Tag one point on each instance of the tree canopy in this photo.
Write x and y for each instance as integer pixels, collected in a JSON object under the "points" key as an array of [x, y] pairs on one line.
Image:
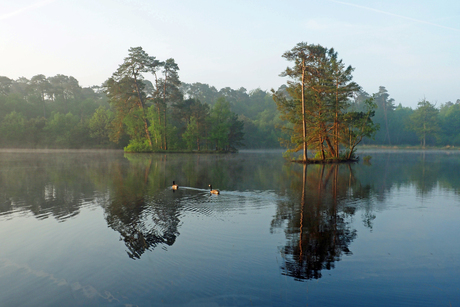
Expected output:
{"points": [[144, 106], [424, 121], [317, 104]]}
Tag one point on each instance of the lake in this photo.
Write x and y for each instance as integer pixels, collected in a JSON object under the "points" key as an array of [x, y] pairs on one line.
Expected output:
{"points": [[104, 228]]}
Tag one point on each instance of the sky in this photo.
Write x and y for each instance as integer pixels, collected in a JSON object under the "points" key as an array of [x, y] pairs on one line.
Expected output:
{"points": [[412, 48]]}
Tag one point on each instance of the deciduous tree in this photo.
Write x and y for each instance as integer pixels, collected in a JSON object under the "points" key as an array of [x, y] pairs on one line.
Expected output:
{"points": [[424, 121]]}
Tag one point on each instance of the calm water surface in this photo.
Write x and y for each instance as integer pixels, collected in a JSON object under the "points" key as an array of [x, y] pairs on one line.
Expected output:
{"points": [[102, 228]]}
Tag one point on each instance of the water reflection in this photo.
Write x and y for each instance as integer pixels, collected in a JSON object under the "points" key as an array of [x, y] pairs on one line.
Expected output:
{"points": [[141, 226], [317, 218], [142, 220], [426, 170], [46, 185], [73, 222], [317, 203]]}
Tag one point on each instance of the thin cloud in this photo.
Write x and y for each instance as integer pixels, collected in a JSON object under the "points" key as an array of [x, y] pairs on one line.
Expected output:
{"points": [[27, 8], [396, 15]]}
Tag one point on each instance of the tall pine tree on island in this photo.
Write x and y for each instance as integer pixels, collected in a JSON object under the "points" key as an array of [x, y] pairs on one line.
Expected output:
{"points": [[317, 106], [125, 90]]}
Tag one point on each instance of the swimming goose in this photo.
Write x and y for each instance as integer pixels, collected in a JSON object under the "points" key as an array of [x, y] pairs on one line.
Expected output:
{"points": [[213, 191], [175, 186]]}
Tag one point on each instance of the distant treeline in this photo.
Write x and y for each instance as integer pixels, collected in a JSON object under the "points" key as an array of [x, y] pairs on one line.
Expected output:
{"points": [[56, 112], [427, 125]]}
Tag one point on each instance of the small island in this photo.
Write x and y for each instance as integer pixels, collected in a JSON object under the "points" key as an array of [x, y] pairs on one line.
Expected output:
{"points": [[317, 107]]}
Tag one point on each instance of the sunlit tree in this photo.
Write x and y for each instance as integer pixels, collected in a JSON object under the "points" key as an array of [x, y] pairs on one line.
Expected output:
{"points": [[316, 100], [125, 88]]}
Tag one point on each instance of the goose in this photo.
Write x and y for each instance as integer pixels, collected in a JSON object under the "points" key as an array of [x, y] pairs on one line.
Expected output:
{"points": [[213, 191], [175, 186]]}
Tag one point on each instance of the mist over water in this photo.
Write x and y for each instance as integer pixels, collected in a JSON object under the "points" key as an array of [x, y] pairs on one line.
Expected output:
{"points": [[104, 228]]}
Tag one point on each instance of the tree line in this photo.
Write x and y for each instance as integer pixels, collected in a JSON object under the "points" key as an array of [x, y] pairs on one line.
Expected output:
{"points": [[320, 110], [429, 124], [48, 112], [129, 111]]}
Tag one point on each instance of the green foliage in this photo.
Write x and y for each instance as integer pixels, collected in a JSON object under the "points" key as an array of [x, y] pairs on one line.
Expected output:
{"points": [[34, 134], [385, 116], [449, 121], [156, 128], [129, 111], [226, 130], [358, 125], [391, 120], [33, 100], [367, 158], [316, 103], [424, 121], [256, 109], [59, 130], [99, 125], [12, 129], [398, 129], [125, 90], [138, 146], [191, 134], [173, 137]]}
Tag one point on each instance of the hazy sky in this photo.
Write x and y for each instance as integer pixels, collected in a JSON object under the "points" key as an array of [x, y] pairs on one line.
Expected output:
{"points": [[410, 47]]}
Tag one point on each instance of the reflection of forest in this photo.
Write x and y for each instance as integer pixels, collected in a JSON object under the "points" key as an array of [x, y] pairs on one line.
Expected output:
{"points": [[134, 192], [143, 220], [316, 218], [322, 200], [425, 170], [45, 184]]}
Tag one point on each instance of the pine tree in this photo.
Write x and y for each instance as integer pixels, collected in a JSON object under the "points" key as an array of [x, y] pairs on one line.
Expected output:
{"points": [[319, 92]]}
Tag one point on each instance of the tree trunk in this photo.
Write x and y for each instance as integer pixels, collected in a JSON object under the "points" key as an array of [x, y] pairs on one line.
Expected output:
{"points": [[386, 122], [144, 117], [302, 205], [331, 148], [164, 102], [304, 124], [336, 121], [424, 135]]}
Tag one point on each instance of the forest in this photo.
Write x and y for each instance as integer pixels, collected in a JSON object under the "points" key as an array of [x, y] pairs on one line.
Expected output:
{"points": [[131, 112]]}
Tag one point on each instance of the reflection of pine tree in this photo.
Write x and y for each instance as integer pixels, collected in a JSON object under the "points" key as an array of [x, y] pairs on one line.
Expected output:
{"points": [[143, 221], [142, 225], [317, 230]]}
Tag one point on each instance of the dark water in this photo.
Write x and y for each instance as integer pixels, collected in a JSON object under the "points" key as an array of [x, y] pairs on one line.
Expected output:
{"points": [[106, 229]]}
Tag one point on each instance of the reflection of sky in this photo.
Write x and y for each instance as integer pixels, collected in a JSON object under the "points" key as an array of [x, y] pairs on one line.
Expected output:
{"points": [[412, 254], [82, 260], [52, 260]]}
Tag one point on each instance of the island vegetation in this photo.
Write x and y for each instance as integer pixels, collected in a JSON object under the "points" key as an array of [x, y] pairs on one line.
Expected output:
{"points": [[144, 107], [317, 108]]}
